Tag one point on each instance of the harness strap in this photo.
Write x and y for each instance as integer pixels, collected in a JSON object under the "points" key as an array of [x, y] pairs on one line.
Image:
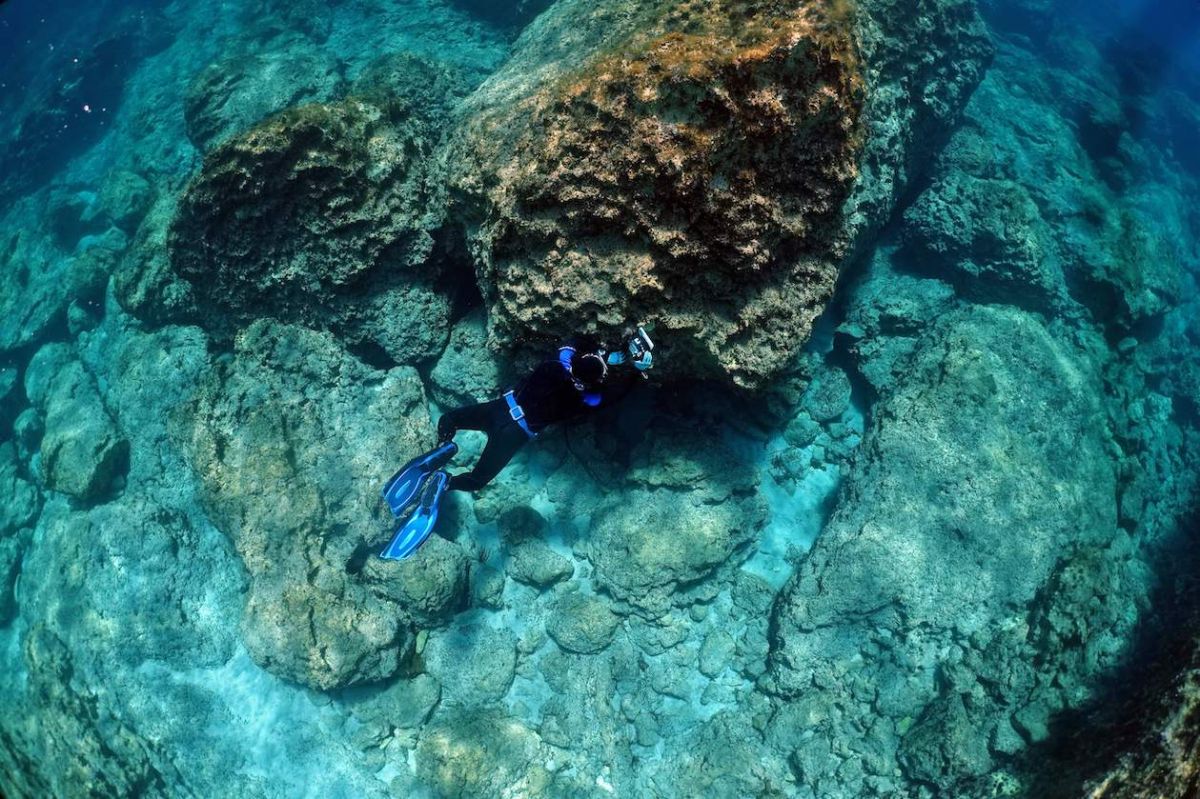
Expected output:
{"points": [[517, 414]]}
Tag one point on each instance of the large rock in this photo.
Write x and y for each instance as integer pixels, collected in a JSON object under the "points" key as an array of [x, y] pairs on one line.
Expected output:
{"points": [[986, 235], [38, 284], [956, 561], [467, 371], [82, 452], [292, 441], [322, 214], [703, 166]]}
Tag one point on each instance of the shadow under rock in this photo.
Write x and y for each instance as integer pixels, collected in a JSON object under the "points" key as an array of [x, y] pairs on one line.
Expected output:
{"points": [[1128, 716]]}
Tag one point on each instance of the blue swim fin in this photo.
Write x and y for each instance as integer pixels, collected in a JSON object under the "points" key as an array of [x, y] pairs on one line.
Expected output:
{"points": [[416, 530], [402, 489]]}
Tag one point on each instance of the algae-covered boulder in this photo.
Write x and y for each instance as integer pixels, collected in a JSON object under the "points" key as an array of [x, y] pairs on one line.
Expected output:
{"points": [[291, 440], [984, 473], [471, 753], [706, 166], [582, 624], [321, 214], [473, 661], [646, 545], [83, 454], [536, 563]]}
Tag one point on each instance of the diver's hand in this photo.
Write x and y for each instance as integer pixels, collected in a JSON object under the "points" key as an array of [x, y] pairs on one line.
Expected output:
{"points": [[643, 361]]}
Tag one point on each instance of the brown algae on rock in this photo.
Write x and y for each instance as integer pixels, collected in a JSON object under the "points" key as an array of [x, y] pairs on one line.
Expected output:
{"points": [[689, 171]]}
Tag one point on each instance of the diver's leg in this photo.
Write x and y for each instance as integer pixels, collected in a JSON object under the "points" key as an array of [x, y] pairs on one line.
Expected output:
{"points": [[503, 443], [480, 416]]}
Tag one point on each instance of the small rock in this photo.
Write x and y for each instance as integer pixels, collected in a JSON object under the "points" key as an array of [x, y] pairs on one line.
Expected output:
{"points": [[715, 653], [582, 624], [125, 197], [828, 396], [801, 431], [521, 523], [474, 662], [406, 704], [27, 433], [1033, 721], [487, 587], [427, 587], [535, 563]]}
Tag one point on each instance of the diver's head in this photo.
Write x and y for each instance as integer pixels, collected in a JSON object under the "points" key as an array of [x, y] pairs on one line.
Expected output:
{"points": [[589, 369]]}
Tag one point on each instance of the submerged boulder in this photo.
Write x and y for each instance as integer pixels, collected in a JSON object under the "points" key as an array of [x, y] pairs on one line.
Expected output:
{"points": [[582, 624], [291, 441], [324, 214], [984, 486], [706, 166], [82, 452]]}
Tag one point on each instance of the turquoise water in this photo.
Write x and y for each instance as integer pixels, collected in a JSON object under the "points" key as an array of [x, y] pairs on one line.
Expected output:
{"points": [[905, 507]]}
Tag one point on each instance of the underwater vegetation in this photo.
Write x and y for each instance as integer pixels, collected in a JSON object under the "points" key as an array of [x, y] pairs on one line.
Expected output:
{"points": [[907, 507]]}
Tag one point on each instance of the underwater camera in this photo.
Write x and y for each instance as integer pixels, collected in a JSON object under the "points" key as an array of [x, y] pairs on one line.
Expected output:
{"points": [[640, 344]]}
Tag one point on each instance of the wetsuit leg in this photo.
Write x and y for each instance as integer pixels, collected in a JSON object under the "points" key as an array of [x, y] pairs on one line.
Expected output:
{"points": [[503, 442], [482, 416]]}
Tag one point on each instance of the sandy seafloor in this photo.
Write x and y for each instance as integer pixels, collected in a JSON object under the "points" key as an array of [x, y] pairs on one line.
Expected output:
{"points": [[923, 562]]}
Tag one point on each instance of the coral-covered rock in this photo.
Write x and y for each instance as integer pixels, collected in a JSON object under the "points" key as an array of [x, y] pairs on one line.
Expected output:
{"points": [[691, 164], [321, 214], [291, 442]]}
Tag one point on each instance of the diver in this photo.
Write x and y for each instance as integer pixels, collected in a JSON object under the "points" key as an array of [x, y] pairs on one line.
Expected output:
{"points": [[585, 376]]}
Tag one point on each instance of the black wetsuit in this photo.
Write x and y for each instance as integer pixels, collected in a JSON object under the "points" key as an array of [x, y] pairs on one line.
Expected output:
{"points": [[549, 395]]}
